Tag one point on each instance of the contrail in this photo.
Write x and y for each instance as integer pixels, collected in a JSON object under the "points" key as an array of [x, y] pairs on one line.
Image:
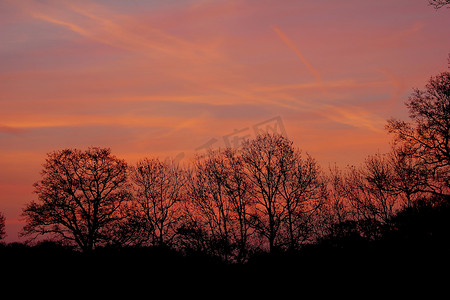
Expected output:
{"points": [[288, 42], [350, 115]]}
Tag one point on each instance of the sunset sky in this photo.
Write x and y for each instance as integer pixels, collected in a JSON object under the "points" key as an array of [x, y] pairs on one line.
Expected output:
{"points": [[164, 78]]}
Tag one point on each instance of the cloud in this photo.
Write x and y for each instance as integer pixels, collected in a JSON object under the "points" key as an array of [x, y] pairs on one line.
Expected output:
{"points": [[98, 24], [291, 45], [354, 116], [398, 37], [397, 83], [12, 130], [177, 62], [68, 25]]}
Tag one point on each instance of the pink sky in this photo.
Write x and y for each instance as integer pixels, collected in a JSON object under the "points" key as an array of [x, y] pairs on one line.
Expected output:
{"points": [[161, 78]]}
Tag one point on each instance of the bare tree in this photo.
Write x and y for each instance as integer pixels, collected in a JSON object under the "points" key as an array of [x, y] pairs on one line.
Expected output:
{"points": [[379, 183], [2, 227], [303, 191], [426, 138], [337, 205], [208, 204], [439, 3], [370, 190], [337, 209], [238, 189], [82, 198], [267, 160], [410, 176], [159, 189], [219, 197]]}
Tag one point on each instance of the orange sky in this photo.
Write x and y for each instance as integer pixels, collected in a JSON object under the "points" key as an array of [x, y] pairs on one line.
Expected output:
{"points": [[162, 78]]}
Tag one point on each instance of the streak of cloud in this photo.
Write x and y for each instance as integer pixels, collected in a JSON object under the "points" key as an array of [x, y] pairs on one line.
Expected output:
{"points": [[302, 58], [12, 130], [396, 82], [96, 23]]}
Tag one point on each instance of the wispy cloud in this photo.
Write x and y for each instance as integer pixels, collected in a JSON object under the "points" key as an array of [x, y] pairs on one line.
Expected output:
{"points": [[398, 86], [290, 44], [12, 130], [355, 116], [98, 24]]}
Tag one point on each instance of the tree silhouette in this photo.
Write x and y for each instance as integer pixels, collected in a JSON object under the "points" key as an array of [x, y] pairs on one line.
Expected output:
{"points": [[208, 203], [268, 159], [379, 179], [303, 191], [219, 201], [439, 3], [426, 138], [82, 198], [268, 188], [369, 191], [337, 209], [409, 176], [365, 201], [424, 224], [238, 189], [159, 187], [2, 227]]}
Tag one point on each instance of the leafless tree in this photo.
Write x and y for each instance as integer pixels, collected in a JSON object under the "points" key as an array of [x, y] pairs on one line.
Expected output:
{"points": [[267, 160], [159, 190], [303, 191], [238, 189], [2, 227], [426, 138], [439, 3], [82, 198], [336, 209], [410, 176], [337, 205], [208, 205], [379, 178], [220, 202], [369, 188]]}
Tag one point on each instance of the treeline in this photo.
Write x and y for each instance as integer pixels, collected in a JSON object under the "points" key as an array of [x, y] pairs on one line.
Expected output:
{"points": [[227, 204], [268, 196]]}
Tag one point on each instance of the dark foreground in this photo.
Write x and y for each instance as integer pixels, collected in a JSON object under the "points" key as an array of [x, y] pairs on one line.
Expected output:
{"points": [[359, 270], [413, 253], [390, 258]]}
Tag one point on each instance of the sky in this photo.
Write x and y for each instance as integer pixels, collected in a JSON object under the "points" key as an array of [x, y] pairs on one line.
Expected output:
{"points": [[170, 78]]}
